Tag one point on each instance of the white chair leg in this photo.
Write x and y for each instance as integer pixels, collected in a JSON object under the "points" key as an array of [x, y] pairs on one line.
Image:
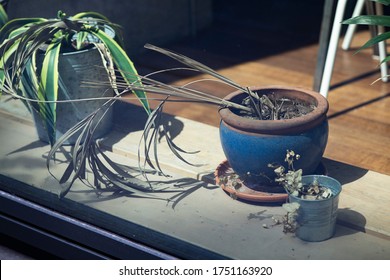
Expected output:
{"points": [[382, 46], [333, 43], [352, 27], [383, 66]]}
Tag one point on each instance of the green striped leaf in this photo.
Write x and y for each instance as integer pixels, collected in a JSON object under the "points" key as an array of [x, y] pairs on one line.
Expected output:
{"points": [[81, 37], [14, 24], [124, 65], [98, 20], [29, 85], [5, 61], [3, 16], [49, 80]]}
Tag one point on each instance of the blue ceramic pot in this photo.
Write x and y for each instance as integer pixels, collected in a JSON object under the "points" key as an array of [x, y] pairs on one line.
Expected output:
{"points": [[251, 145]]}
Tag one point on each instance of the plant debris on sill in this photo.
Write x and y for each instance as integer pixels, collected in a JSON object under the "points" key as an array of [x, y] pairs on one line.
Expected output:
{"points": [[272, 108], [233, 181], [290, 219]]}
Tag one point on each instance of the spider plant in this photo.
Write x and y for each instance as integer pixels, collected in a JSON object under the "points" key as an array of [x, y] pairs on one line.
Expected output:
{"points": [[89, 153], [375, 20], [24, 40]]}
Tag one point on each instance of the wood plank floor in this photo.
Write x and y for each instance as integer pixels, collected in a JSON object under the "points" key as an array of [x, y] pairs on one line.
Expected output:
{"points": [[359, 112]]}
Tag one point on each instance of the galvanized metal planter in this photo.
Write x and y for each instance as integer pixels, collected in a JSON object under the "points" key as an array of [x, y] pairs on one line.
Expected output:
{"points": [[76, 68], [317, 218]]}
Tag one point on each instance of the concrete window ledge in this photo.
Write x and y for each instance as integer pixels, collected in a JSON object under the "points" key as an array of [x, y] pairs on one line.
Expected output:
{"points": [[205, 223]]}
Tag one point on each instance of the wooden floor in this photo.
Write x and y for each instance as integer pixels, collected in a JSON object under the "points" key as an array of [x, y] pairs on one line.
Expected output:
{"points": [[359, 112]]}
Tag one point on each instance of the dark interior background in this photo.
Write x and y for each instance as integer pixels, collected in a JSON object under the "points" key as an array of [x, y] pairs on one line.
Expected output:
{"points": [[243, 29]]}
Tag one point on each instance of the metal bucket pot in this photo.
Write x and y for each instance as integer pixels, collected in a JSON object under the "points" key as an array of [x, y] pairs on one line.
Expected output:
{"points": [[317, 218], [74, 69]]}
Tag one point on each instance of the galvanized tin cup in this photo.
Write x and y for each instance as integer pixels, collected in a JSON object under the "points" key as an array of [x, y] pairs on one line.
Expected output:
{"points": [[317, 218]]}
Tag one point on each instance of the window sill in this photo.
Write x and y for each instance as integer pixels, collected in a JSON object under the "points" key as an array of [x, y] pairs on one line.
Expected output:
{"points": [[205, 224]]}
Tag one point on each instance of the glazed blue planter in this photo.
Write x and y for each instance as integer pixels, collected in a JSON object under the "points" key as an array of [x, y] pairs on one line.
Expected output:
{"points": [[251, 145]]}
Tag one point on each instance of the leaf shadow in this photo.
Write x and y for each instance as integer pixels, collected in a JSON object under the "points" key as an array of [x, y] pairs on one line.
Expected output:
{"points": [[187, 187], [125, 111], [30, 146], [171, 191]]}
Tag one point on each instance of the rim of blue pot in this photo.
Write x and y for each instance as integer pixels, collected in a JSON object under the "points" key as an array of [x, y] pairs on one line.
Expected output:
{"points": [[294, 125]]}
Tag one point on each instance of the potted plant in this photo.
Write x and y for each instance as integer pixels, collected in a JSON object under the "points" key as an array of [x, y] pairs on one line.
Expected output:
{"points": [[293, 118], [258, 124], [313, 201], [272, 118], [45, 61]]}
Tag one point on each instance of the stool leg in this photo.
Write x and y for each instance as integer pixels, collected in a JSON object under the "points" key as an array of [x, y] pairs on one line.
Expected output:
{"points": [[323, 44], [352, 27], [382, 45], [331, 55]]}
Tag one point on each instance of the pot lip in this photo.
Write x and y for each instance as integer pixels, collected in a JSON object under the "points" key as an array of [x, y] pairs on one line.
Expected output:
{"points": [[78, 52], [72, 52], [317, 116], [312, 176]]}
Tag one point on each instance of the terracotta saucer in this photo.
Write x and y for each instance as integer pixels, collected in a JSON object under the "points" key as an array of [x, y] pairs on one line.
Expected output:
{"points": [[244, 192]]}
